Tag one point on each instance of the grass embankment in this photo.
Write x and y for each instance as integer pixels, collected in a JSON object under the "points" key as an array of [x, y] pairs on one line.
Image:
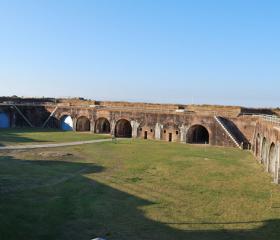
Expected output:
{"points": [[136, 190], [31, 136]]}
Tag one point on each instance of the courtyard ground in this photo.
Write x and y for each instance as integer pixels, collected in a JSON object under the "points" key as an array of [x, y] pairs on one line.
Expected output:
{"points": [[136, 189], [37, 135]]}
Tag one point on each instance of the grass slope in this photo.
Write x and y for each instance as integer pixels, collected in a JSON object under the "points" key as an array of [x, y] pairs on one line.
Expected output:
{"points": [[29, 136], [136, 190]]}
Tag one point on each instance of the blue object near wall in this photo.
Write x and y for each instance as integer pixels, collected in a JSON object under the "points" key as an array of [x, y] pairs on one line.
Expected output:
{"points": [[4, 120], [66, 123]]}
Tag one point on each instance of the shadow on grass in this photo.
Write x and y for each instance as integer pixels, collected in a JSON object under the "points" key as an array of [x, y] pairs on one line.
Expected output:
{"points": [[11, 136], [47, 199], [16, 136]]}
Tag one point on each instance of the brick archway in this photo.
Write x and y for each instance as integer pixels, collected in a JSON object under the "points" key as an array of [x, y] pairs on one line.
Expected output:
{"points": [[123, 128], [198, 134], [102, 125], [83, 124]]}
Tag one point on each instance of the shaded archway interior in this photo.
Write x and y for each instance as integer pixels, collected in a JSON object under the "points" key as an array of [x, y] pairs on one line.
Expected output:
{"points": [[83, 124], [272, 158], [258, 142], [123, 129], [102, 125], [263, 153], [66, 123], [198, 134]]}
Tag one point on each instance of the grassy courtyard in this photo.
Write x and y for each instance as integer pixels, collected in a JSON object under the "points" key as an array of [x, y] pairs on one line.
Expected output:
{"points": [[136, 190], [31, 136]]}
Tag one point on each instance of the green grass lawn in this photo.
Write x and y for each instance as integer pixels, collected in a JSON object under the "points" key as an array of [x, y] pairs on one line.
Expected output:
{"points": [[31, 136], [136, 190]]}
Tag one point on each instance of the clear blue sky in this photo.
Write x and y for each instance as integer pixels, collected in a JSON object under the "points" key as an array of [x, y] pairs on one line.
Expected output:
{"points": [[223, 52]]}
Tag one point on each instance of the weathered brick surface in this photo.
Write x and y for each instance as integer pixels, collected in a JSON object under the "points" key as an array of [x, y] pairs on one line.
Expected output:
{"points": [[146, 115]]}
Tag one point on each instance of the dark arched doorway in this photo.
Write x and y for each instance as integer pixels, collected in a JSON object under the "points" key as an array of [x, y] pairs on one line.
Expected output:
{"points": [[102, 125], [83, 124], [198, 134], [123, 129], [264, 151], [272, 159], [258, 142]]}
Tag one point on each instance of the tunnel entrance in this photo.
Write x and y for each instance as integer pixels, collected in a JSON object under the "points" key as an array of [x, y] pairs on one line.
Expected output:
{"points": [[66, 123], [83, 124], [123, 129], [102, 125], [198, 134]]}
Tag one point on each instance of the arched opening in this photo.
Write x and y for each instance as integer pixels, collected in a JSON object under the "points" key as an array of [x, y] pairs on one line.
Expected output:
{"points": [[102, 125], [4, 120], [198, 134], [83, 124], [272, 159], [258, 142], [264, 151], [66, 123], [123, 129]]}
